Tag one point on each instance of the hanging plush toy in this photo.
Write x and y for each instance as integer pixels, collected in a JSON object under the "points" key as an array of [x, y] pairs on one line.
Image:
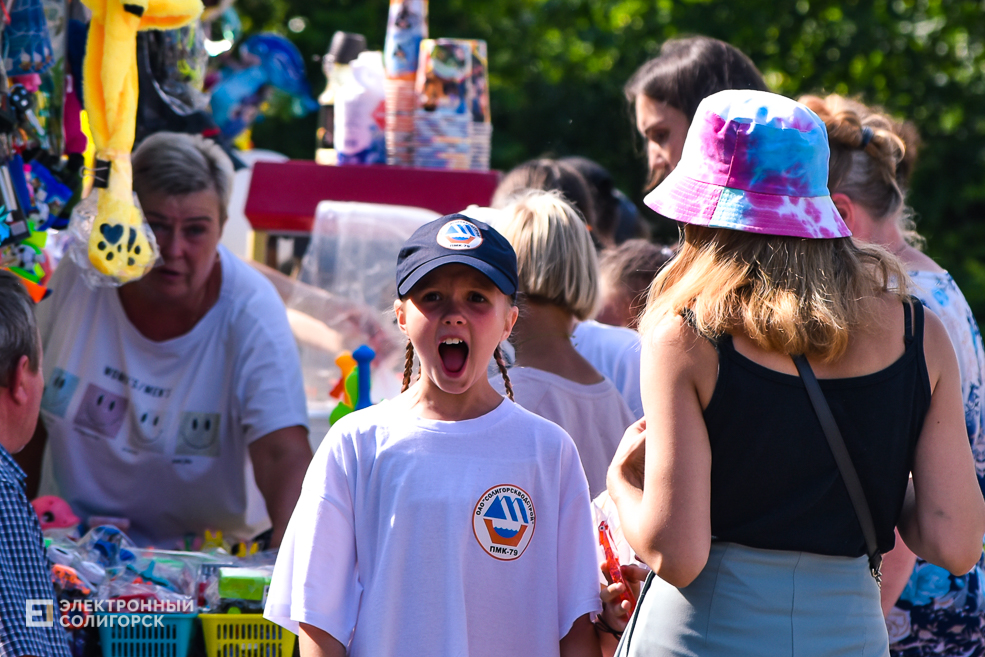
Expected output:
{"points": [[118, 244]]}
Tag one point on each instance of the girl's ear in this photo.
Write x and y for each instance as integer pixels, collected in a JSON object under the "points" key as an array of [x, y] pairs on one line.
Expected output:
{"points": [[511, 316], [846, 209], [398, 310]]}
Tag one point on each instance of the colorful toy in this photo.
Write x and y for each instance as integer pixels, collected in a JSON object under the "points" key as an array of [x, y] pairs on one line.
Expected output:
{"points": [[269, 60], [27, 45], [354, 386], [346, 363], [364, 355], [147, 575], [355, 383], [213, 541], [243, 583], [25, 259], [70, 587], [51, 196], [37, 292], [243, 550], [54, 513], [118, 241], [107, 547], [613, 568], [351, 383]]}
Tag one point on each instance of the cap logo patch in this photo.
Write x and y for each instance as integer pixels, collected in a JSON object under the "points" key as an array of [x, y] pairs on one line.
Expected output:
{"points": [[459, 235]]}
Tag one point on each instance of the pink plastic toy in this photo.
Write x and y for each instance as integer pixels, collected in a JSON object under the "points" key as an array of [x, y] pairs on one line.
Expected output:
{"points": [[54, 513]]}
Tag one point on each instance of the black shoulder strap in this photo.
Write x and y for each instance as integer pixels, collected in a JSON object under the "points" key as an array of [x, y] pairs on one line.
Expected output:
{"points": [[844, 461], [907, 321], [918, 319]]}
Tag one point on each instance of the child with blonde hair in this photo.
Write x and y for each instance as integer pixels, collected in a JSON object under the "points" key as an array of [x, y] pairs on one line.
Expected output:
{"points": [[447, 521], [558, 274]]}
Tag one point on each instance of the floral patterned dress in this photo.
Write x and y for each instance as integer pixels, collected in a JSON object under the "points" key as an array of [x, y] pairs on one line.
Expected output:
{"points": [[939, 613]]}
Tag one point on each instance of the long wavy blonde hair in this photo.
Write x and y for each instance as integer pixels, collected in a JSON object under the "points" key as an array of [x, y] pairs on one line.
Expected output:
{"points": [[788, 294]]}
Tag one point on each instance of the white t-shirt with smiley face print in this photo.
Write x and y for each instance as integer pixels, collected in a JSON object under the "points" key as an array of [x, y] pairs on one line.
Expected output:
{"points": [[158, 432]]}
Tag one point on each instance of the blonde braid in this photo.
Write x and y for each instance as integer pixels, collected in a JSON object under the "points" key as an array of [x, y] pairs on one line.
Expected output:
{"points": [[498, 355], [408, 366]]}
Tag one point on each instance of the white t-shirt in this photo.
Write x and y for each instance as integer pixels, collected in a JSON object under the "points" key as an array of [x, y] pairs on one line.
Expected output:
{"points": [[422, 537], [615, 352], [158, 432], [594, 415]]}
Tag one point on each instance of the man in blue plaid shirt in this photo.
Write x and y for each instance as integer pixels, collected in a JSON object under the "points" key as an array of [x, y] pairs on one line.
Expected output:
{"points": [[28, 611]]}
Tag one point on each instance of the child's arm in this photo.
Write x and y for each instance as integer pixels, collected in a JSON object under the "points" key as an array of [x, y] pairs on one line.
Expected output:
{"points": [[616, 612], [319, 643], [581, 640]]}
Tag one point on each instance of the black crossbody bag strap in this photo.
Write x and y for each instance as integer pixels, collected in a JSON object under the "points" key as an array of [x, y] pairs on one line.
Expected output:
{"points": [[844, 463]]}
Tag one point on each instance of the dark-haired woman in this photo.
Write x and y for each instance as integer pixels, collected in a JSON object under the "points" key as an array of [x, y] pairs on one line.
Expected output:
{"points": [[665, 92]]}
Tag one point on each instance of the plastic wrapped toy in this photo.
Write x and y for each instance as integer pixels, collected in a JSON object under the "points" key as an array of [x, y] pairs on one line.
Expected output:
{"points": [[119, 245], [108, 240], [26, 44], [360, 113], [267, 60]]}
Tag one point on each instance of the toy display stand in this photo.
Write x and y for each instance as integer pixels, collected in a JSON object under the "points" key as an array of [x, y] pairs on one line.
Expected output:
{"points": [[283, 196]]}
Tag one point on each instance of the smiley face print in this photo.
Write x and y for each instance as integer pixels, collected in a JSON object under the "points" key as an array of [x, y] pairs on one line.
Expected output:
{"points": [[58, 393], [101, 411], [147, 429], [198, 434]]}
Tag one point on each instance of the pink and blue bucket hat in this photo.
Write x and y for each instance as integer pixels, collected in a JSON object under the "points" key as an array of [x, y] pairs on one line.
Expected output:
{"points": [[756, 162]]}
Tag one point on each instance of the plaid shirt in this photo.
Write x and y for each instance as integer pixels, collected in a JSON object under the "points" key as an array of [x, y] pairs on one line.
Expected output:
{"points": [[24, 573]]}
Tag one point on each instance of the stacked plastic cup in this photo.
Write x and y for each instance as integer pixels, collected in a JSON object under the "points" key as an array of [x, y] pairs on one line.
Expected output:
{"points": [[407, 27], [443, 120], [480, 136]]}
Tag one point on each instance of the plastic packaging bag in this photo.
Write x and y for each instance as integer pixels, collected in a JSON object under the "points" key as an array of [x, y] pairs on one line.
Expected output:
{"points": [[360, 113], [80, 227]]}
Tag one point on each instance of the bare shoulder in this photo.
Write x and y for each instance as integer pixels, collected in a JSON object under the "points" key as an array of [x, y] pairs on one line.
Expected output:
{"points": [[674, 336], [916, 260], [937, 348], [674, 351]]}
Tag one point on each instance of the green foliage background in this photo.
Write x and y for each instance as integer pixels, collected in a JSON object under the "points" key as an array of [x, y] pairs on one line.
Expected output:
{"points": [[557, 68]]}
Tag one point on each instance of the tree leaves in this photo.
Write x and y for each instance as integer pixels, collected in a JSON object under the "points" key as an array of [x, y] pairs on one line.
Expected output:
{"points": [[557, 68]]}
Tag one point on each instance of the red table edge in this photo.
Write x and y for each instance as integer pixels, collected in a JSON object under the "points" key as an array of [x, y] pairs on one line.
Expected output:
{"points": [[284, 196]]}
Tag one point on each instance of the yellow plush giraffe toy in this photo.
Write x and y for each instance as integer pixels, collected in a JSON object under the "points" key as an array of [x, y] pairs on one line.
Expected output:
{"points": [[117, 244]]}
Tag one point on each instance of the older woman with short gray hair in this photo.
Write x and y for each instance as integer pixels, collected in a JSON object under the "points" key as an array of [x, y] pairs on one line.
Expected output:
{"points": [[175, 402]]}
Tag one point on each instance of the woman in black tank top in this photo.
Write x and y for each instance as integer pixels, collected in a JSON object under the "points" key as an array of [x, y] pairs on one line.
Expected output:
{"points": [[730, 491]]}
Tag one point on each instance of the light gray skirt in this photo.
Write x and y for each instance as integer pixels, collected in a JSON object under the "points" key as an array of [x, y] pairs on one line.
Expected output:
{"points": [[761, 603]]}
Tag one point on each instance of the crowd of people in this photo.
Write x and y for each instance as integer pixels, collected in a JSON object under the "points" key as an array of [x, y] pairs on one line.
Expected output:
{"points": [[784, 409]]}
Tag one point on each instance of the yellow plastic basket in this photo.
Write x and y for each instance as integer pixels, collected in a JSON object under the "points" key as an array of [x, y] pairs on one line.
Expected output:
{"points": [[245, 635]]}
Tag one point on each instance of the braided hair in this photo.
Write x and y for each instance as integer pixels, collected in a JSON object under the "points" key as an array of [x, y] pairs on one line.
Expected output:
{"points": [[498, 355], [501, 362], [408, 366]]}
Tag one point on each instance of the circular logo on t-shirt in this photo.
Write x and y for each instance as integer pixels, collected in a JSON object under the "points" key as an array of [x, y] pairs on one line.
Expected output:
{"points": [[503, 521], [460, 235]]}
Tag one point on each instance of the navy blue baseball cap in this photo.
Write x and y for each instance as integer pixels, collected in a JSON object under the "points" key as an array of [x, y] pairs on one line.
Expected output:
{"points": [[456, 238]]}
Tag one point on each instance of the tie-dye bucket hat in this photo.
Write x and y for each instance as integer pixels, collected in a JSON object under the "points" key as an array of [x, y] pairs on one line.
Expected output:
{"points": [[756, 162]]}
